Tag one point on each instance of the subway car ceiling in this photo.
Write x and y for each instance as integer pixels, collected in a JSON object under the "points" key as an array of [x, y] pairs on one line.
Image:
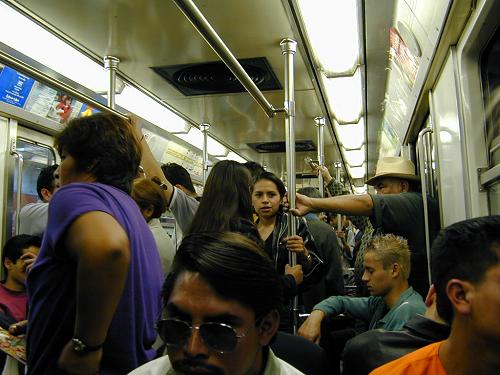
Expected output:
{"points": [[364, 65]]}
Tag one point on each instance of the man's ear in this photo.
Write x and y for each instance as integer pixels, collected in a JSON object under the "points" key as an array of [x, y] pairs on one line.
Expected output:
{"points": [[396, 270], [268, 327], [405, 186], [46, 194], [459, 293], [431, 296], [8, 263]]}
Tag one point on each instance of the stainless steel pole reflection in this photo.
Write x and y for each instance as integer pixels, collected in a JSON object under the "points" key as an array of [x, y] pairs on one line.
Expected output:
{"points": [[204, 130], [320, 125], [111, 65], [288, 48]]}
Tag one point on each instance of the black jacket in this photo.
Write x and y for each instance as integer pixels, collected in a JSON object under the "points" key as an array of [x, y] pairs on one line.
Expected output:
{"points": [[372, 349]]}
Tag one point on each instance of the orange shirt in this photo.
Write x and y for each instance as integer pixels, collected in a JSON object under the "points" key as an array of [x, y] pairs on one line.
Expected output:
{"points": [[423, 361]]}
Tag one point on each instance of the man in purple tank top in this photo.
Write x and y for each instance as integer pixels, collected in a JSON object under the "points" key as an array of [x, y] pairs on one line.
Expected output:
{"points": [[94, 291]]}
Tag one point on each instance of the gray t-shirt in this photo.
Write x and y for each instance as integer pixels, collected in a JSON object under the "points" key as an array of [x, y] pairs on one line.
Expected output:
{"points": [[33, 218], [183, 208]]}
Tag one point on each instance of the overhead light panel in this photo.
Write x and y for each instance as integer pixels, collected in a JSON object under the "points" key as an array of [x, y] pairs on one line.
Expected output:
{"points": [[149, 109], [345, 96], [351, 136], [233, 156], [195, 138], [357, 171], [34, 41], [355, 157], [333, 30]]}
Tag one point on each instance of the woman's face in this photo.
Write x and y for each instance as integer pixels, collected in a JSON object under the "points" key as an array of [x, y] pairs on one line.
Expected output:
{"points": [[68, 171], [266, 198]]}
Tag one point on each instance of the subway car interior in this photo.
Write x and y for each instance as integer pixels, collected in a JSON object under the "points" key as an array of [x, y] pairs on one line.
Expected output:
{"points": [[284, 83]]}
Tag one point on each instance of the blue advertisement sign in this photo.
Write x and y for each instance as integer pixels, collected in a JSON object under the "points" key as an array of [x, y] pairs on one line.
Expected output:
{"points": [[14, 87]]}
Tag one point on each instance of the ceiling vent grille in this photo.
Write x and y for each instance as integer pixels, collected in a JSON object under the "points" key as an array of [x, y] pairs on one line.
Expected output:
{"points": [[276, 147], [216, 78]]}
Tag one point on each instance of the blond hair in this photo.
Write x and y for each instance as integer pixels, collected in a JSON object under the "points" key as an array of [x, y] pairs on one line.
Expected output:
{"points": [[390, 249]]}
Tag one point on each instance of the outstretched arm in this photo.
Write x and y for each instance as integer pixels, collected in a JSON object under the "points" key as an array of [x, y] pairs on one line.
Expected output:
{"points": [[346, 204], [151, 167]]}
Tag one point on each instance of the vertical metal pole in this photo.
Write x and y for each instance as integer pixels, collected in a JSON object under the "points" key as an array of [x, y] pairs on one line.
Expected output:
{"points": [[111, 65], [338, 167], [204, 129], [320, 125], [288, 49], [421, 156]]}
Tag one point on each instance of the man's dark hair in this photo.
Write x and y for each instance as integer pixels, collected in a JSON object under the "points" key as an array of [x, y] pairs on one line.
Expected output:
{"points": [[226, 199], [465, 251], [13, 248], [271, 177], [234, 266], [254, 168], [104, 146], [178, 175], [310, 192], [46, 180]]}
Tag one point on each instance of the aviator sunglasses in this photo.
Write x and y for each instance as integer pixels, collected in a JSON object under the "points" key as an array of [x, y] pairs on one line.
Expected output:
{"points": [[219, 337]]}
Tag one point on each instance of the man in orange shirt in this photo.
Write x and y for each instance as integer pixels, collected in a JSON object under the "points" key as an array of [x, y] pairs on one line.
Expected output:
{"points": [[466, 274]]}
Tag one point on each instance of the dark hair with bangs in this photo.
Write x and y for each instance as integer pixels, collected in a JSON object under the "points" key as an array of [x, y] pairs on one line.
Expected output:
{"points": [[234, 266], [146, 193], [226, 199], [271, 177], [465, 251], [103, 145]]}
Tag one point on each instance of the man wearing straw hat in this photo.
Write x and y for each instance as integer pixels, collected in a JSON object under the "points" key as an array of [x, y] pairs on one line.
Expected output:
{"points": [[396, 208]]}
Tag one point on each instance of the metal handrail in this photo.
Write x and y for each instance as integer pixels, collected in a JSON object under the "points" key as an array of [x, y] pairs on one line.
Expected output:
{"points": [[206, 30], [45, 78], [320, 125], [20, 165], [421, 155]]}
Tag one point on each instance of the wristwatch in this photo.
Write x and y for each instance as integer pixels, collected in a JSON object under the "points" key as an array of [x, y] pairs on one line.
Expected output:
{"points": [[81, 348]]}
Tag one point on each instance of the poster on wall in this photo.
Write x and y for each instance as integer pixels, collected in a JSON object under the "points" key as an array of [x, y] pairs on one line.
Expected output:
{"points": [[14, 87]]}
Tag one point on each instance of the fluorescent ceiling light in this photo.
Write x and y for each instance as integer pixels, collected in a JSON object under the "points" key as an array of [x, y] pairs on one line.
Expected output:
{"points": [[233, 156], [332, 28], [360, 189], [195, 138], [357, 172], [34, 41], [149, 109], [355, 157], [345, 96], [351, 135]]}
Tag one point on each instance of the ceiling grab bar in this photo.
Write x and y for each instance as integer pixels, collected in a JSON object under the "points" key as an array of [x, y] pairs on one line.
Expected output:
{"points": [[55, 83], [201, 24], [288, 49], [20, 165], [421, 158]]}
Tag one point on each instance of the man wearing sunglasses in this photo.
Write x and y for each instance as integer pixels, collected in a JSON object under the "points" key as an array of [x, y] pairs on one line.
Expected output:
{"points": [[220, 310]]}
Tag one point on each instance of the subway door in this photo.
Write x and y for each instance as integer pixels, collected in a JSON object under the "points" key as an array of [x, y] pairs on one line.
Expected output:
{"points": [[30, 152], [448, 138]]}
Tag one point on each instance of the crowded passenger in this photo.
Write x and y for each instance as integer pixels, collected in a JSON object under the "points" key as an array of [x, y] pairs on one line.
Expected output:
{"points": [[396, 208], [268, 192], [149, 197], [332, 281], [392, 302], [33, 216], [220, 310], [95, 287], [178, 176], [375, 347], [182, 206], [466, 275], [226, 203], [18, 255]]}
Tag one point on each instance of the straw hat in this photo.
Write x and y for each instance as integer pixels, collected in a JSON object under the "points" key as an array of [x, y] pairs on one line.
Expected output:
{"points": [[394, 166]]}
